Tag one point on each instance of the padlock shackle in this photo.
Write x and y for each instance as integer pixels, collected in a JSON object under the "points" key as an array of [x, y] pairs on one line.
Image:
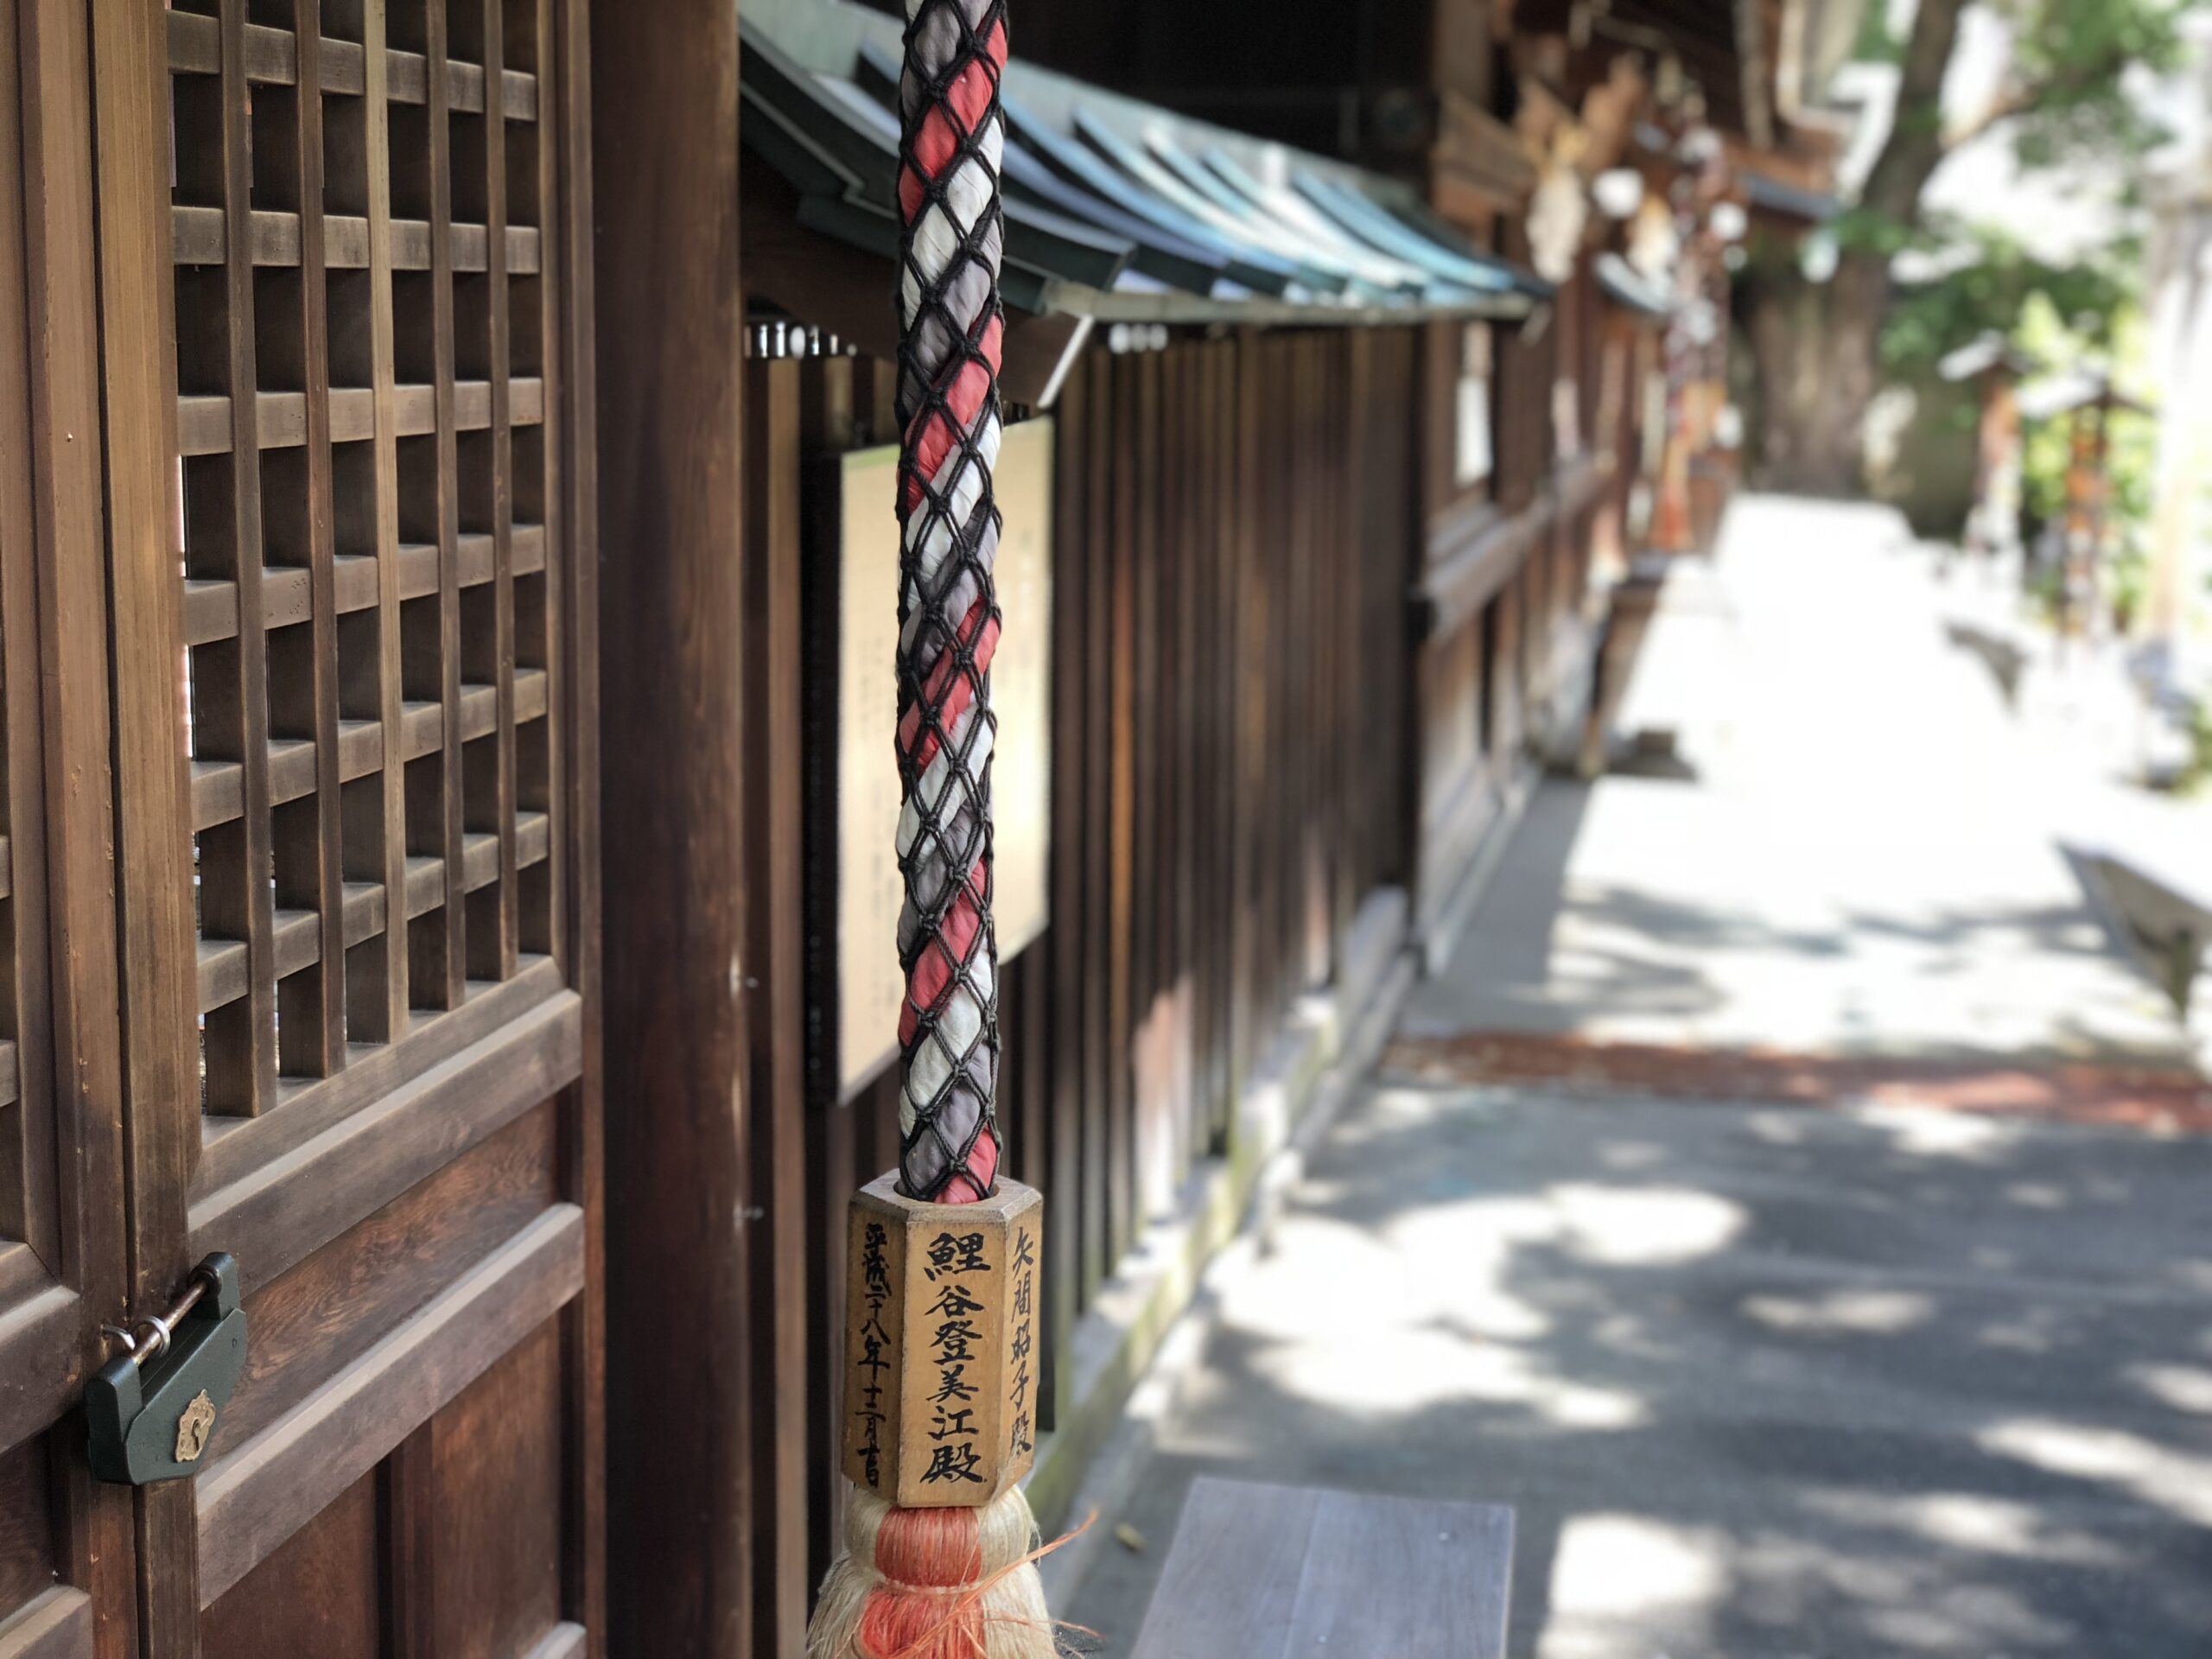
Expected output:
{"points": [[204, 1278]]}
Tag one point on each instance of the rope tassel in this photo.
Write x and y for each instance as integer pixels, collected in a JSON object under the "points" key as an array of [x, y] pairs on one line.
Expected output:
{"points": [[941, 1313], [934, 1583]]}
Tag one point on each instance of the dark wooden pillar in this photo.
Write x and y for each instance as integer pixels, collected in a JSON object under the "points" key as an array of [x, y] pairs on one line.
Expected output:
{"points": [[680, 1327]]}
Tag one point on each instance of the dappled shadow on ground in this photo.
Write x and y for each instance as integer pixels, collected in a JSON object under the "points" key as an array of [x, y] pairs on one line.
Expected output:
{"points": [[1758, 1382], [1634, 924]]}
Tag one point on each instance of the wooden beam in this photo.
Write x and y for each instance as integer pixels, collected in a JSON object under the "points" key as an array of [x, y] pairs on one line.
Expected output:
{"points": [[680, 1331]]}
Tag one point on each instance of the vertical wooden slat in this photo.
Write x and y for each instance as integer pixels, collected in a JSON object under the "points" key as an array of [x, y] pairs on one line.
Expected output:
{"points": [[1184, 566], [309, 851], [563, 288], [1182, 562], [376, 846], [1293, 681], [1149, 1083], [1031, 1068], [437, 959], [408, 1504], [1096, 922], [1225, 468], [1156, 1187], [1200, 648], [494, 958], [1070, 830], [1275, 562], [566, 228], [231, 698], [1211, 555], [1303, 685], [829, 1158], [1129, 439], [1249, 705], [1172, 611], [1350, 693], [830, 411], [1316, 684], [1360, 572], [775, 984], [1275, 643]]}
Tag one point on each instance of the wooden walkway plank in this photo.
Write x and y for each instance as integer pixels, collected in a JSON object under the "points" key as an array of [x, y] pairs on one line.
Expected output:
{"points": [[1260, 1571]]}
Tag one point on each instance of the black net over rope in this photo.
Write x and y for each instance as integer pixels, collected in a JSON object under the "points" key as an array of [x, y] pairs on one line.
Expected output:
{"points": [[950, 238]]}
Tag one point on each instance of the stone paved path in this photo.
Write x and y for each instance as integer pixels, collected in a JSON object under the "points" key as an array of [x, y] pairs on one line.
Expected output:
{"points": [[1763, 1381]]}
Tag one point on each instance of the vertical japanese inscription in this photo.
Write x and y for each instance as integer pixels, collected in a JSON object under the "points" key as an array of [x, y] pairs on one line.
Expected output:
{"points": [[1021, 1308], [875, 1246], [872, 1362], [960, 1316]]}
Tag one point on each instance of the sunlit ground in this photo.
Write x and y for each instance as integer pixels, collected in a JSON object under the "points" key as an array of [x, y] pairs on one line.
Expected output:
{"points": [[1759, 1381], [1871, 855]]}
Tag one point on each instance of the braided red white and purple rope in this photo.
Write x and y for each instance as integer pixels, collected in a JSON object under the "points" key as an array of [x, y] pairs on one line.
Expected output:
{"points": [[950, 238]]}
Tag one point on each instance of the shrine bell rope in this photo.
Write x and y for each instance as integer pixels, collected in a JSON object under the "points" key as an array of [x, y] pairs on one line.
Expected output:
{"points": [[951, 237], [953, 1577]]}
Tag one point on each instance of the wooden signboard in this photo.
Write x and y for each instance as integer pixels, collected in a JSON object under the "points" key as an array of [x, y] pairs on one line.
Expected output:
{"points": [[864, 982]]}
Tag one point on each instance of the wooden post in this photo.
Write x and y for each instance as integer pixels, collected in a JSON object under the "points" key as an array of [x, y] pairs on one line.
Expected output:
{"points": [[680, 1324]]}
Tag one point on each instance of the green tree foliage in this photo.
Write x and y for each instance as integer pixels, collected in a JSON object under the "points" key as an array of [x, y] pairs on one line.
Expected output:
{"points": [[1992, 281], [2071, 64], [2066, 94]]}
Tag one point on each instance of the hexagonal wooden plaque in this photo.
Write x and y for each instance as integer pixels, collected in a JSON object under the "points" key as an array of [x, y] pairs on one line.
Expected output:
{"points": [[941, 1323]]}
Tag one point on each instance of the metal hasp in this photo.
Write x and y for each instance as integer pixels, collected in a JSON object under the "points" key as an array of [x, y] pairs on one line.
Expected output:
{"points": [[151, 1413]]}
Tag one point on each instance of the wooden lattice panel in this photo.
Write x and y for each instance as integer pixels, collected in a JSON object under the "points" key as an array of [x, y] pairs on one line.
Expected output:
{"points": [[372, 603]]}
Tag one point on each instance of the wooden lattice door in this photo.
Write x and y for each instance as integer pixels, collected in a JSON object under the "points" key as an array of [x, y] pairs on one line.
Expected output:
{"points": [[296, 929]]}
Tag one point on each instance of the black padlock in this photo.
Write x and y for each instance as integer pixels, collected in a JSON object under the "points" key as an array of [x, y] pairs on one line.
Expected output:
{"points": [[151, 1413]]}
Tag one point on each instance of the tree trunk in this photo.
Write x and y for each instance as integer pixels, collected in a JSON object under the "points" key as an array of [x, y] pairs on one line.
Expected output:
{"points": [[1817, 343], [1815, 347]]}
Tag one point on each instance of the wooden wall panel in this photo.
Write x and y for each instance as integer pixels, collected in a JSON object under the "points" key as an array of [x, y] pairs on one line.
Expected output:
{"points": [[1241, 531], [324, 1313], [1212, 826], [322, 1592], [27, 1546], [1502, 603], [495, 1468]]}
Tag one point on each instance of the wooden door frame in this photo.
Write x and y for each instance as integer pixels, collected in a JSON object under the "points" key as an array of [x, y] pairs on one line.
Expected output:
{"points": [[48, 1345]]}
